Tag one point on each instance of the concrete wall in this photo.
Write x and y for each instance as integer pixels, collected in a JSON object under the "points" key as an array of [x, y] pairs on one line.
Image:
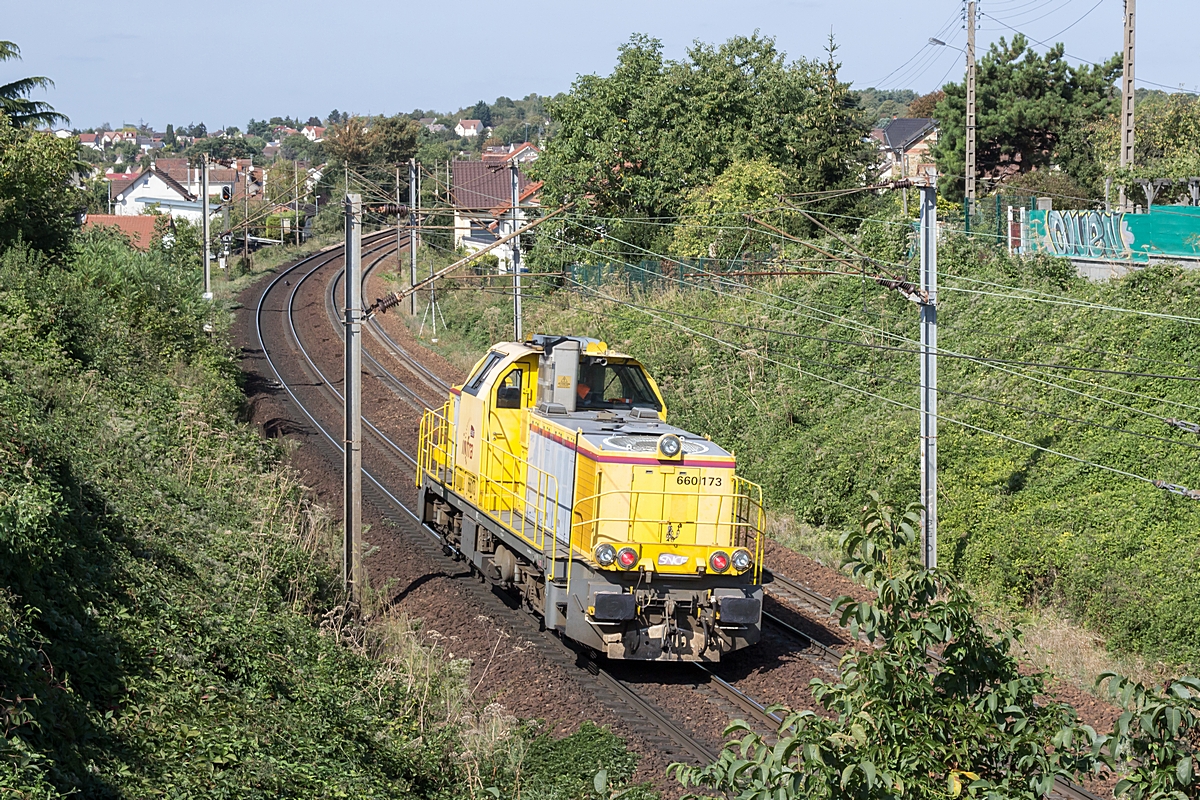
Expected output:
{"points": [[1114, 242]]}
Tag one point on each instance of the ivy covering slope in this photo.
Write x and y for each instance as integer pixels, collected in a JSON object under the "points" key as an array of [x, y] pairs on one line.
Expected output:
{"points": [[170, 623], [1021, 524]]}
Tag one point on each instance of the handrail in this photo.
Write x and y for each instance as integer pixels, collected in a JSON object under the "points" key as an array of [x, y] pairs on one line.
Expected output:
{"points": [[522, 490], [739, 516], [530, 497]]}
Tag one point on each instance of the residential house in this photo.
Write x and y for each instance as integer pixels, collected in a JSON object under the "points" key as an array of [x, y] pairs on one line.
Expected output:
{"points": [[314, 133], [906, 144], [522, 153], [482, 195], [189, 176], [90, 140], [139, 229], [153, 190], [468, 127], [64, 133], [118, 181]]}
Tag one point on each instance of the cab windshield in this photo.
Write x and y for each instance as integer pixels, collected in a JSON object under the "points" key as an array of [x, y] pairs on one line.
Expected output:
{"points": [[616, 384]]}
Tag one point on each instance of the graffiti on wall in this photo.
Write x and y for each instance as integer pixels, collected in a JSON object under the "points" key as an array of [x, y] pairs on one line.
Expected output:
{"points": [[1087, 234]]}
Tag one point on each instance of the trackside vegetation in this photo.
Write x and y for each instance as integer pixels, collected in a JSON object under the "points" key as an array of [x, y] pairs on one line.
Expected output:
{"points": [[939, 707], [170, 620], [756, 369]]}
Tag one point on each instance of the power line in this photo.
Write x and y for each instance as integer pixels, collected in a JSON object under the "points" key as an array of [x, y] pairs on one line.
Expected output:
{"points": [[854, 325], [857, 390], [1081, 59]]}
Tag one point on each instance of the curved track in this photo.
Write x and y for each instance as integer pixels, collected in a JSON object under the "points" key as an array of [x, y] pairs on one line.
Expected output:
{"points": [[653, 725], [620, 695]]}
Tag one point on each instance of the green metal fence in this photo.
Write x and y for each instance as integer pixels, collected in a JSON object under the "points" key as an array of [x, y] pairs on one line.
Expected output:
{"points": [[988, 216]]}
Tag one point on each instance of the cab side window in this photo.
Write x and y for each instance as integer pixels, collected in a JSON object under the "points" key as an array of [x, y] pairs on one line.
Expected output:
{"points": [[508, 390]]}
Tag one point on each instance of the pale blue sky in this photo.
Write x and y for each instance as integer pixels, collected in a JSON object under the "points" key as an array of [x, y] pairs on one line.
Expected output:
{"points": [[222, 62]]}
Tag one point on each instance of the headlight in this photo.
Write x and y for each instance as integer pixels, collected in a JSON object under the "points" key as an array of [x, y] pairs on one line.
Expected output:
{"points": [[742, 560], [627, 557], [605, 554], [719, 561], [669, 445]]}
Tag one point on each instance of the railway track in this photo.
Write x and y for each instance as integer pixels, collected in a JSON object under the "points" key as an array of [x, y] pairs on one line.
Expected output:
{"points": [[620, 696], [652, 724]]}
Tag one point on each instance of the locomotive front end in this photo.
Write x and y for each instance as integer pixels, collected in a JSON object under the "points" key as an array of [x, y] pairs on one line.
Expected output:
{"points": [[553, 469], [667, 537]]}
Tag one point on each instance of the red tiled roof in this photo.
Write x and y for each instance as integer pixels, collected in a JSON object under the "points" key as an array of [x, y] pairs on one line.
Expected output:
{"points": [[87, 138], [479, 185], [139, 229], [471, 123]]}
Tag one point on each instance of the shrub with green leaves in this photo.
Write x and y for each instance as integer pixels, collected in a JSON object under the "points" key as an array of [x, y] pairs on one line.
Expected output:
{"points": [[171, 622], [904, 722], [1157, 739]]}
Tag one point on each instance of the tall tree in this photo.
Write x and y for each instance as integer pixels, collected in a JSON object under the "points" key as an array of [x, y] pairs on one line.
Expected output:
{"points": [[38, 201], [349, 142], [482, 112], [14, 97], [1028, 108], [926, 104], [632, 145], [394, 140]]}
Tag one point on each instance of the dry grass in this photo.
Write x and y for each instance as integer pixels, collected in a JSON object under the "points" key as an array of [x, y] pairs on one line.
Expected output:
{"points": [[819, 544], [1071, 654]]}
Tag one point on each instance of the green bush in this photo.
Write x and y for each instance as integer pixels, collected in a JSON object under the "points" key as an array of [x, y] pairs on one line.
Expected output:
{"points": [[170, 619]]}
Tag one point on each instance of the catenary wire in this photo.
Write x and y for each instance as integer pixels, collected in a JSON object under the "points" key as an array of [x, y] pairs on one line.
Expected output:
{"points": [[889, 400]]}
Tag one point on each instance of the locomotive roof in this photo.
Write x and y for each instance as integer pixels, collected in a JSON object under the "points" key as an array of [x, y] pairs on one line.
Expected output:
{"points": [[588, 347], [619, 431]]}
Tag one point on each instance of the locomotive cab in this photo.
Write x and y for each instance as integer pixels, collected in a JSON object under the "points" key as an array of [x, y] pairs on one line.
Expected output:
{"points": [[554, 470]]}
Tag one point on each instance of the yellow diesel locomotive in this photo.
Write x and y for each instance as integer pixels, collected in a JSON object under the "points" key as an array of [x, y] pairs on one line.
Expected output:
{"points": [[553, 470]]}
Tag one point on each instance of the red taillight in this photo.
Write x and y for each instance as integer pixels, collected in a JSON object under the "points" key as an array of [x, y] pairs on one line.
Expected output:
{"points": [[627, 557], [719, 561]]}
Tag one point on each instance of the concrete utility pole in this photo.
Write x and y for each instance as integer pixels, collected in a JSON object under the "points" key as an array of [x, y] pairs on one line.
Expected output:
{"points": [[970, 186], [1127, 97], [204, 225], [412, 233], [399, 222], [296, 205], [515, 172], [352, 499], [246, 219], [929, 373]]}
